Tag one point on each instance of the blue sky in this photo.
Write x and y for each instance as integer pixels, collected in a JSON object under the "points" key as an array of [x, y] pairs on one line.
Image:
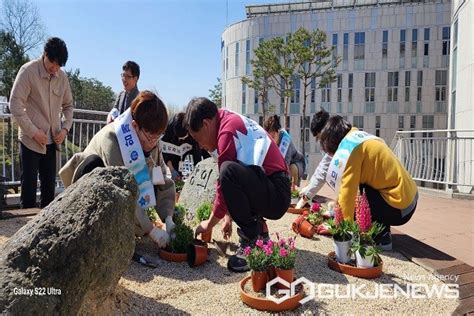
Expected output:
{"points": [[176, 43]]}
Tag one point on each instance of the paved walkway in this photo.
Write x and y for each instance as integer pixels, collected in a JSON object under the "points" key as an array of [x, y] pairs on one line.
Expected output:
{"points": [[442, 223]]}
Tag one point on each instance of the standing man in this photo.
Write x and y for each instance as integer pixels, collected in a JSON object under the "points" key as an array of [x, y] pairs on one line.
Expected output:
{"points": [[130, 75], [40, 94], [253, 184]]}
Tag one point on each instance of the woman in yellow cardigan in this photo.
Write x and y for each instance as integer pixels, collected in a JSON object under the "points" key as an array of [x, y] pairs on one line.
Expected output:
{"points": [[363, 161]]}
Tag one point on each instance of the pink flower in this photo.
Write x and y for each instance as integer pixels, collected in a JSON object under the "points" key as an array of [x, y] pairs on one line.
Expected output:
{"points": [[281, 242], [247, 251], [283, 252], [268, 250], [270, 243], [363, 216], [338, 216], [315, 207], [291, 243], [259, 243]]}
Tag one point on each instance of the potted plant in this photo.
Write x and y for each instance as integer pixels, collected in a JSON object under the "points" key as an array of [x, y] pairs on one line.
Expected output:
{"points": [[259, 259], [367, 253], [341, 231], [284, 258], [181, 236], [179, 214], [203, 213], [303, 227]]}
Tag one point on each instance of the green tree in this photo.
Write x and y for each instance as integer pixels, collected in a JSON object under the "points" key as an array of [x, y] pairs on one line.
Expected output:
{"points": [[11, 59], [260, 80], [274, 57], [314, 65], [90, 93], [215, 94]]}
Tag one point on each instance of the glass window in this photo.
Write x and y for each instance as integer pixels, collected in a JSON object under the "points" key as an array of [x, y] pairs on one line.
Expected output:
{"points": [[359, 46], [384, 44], [414, 41], [446, 40]]}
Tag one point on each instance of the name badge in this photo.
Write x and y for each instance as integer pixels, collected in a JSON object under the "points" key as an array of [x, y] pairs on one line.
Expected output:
{"points": [[157, 176]]}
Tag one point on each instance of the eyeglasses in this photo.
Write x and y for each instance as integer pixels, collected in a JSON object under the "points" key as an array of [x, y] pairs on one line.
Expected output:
{"points": [[149, 139], [126, 76]]}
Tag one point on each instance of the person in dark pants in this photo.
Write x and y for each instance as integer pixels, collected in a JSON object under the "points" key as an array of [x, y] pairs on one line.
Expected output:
{"points": [[40, 94], [361, 161], [253, 184]]}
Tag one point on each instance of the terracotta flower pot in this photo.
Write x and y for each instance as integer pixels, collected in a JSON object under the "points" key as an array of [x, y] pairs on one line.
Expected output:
{"points": [[271, 273], [206, 236], [259, 280], [171, 256], [265, 304], [287, 275], [197, 253], [303, 227], [366, 273]]}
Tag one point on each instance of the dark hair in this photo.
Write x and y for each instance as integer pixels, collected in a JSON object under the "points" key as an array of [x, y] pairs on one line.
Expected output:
{"points": [[319, 121], [149, 112], [56, 51], [272, 124], [197, 111], [133, 67], [177, 125], [333, 133]]}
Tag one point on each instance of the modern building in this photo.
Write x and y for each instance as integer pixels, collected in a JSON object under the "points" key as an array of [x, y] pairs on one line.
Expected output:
{"points": [[394, 69], [461, 97]]}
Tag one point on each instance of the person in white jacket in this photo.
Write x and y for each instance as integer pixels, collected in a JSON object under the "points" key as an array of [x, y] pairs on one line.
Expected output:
{"points": [[318, 178]]}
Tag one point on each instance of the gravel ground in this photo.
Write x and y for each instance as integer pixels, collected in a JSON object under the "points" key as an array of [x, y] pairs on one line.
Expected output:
{"points": [[211, 288]]}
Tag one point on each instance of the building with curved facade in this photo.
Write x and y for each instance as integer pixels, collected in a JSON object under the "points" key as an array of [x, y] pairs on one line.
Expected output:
{"points": [[393, 73]]}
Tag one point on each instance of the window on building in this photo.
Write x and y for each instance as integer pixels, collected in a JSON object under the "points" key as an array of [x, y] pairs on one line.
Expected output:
{"points": [[393, 86], [339, 88], [377, 121], [413, 121], [334, 49], [345, 51], [358, 121], [359, 46], [384, 44], [407, 85], [414, 42], [313, 90], [295, 98], [428, 121], [350, 85], [402, 43], [401, 121], [248, 65], [446, 40], [427, 42], [326, 93], [419, 83], [370, 87], [440, 90], [226, 61], [237, 55]]}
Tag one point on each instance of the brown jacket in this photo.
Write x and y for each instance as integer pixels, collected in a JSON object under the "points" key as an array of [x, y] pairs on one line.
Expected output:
{"points": [[37, 101]]}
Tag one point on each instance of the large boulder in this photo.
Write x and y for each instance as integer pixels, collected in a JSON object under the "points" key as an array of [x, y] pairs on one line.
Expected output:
{"points": [[69, 258], [200, 186]]}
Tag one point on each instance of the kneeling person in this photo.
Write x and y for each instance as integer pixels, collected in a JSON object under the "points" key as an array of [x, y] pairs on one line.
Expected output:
{"points": [[136, 130], [253, 176]]}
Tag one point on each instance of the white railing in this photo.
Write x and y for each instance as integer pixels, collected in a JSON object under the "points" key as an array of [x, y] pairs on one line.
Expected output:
{"points": [[443, 158], [85, 124]]}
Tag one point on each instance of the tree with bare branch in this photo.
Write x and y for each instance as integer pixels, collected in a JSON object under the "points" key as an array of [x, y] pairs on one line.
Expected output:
{"points": [[21, 19]]}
